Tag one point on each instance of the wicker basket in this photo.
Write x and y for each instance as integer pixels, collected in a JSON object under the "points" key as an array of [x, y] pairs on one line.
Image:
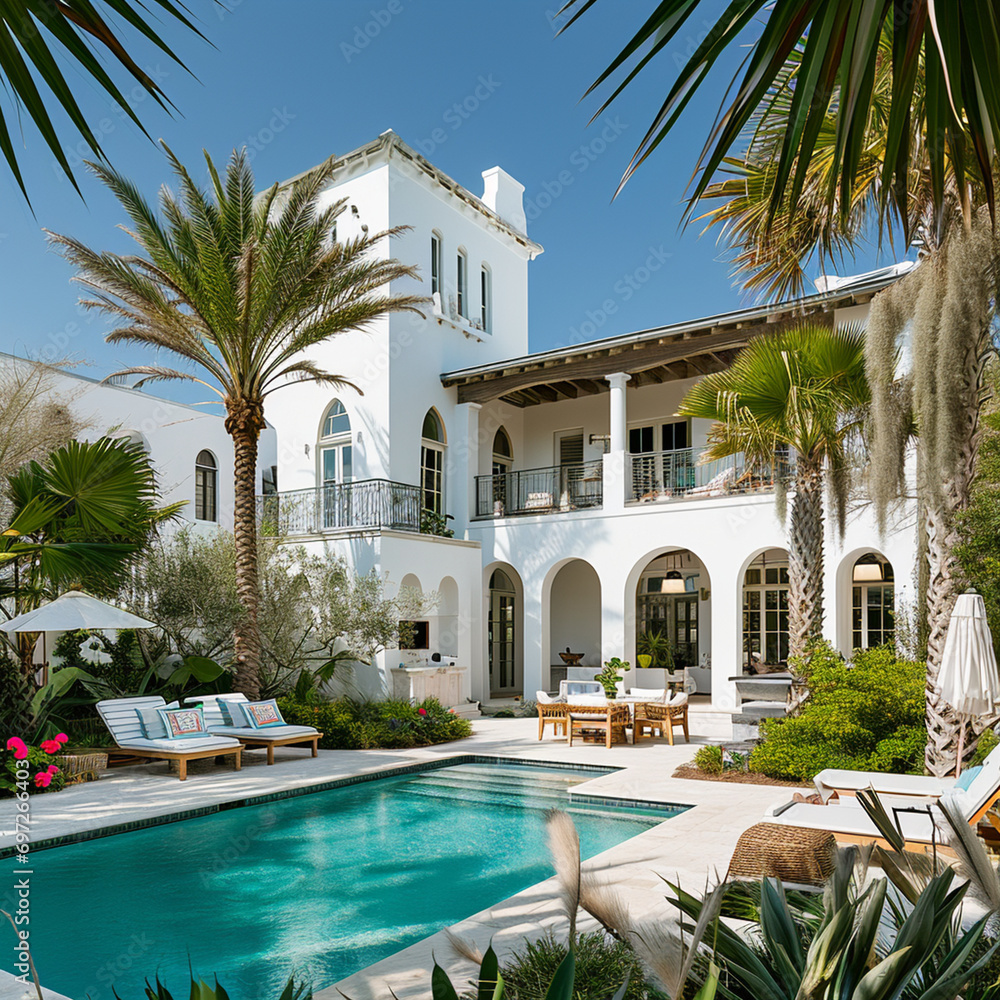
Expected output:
{"points": [[787, 853], [83, 766]]}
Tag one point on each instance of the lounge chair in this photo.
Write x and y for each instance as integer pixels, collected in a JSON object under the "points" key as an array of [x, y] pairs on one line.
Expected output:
{"points": [[551, 712], [121, 717], [269, 737], [661, 714], [849, 783], [850, 823], [613, 717]]}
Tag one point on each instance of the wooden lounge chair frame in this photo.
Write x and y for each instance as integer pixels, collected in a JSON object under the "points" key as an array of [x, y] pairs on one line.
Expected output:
{"points": [[552, 714], [182, 758], [253, 742], [613, 718], [662, 718]]}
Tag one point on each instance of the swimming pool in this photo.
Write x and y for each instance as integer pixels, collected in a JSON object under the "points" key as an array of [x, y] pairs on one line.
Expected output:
{"points": [[323, 884]]}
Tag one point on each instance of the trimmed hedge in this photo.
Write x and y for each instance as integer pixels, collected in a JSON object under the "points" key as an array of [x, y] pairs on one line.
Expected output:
{"points": [[348, 724], [865, 715]]}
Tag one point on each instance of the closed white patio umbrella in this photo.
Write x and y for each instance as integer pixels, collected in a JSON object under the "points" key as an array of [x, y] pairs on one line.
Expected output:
{"points": [[968, 679], [72, 611]]}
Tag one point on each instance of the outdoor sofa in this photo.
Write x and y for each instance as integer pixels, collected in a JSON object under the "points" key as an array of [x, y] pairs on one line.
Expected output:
{"points": [[121, 716], [269, 737]]}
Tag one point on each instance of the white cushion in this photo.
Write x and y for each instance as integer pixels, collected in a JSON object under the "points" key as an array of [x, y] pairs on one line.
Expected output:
{"points": [[181, 746], [544, 698], [649, 694], [678, 699], [270, 733], [567, 688], [587, 699]]}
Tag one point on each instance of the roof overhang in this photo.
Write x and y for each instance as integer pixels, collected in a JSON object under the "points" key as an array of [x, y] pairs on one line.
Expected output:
{"points": [[663, 354]]}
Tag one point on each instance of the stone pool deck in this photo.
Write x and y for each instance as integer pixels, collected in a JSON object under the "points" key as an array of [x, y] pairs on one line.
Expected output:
{"points": [[692, 846]]}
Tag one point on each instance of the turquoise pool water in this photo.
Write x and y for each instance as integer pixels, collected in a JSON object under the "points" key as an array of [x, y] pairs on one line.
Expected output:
{"points": [[322, 884]]}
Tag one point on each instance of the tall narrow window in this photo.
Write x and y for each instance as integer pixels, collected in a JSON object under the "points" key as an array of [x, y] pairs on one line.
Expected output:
{"points": [[462, 284], [206, 483], [486, 299], [873, 604], [432, 464], [336, 465], [435, 264]]}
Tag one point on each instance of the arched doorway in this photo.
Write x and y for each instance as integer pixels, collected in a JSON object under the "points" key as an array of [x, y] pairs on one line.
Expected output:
{"points": [[873, 601], [673, 616], [765, 611], [504, 641], [574, 614]]}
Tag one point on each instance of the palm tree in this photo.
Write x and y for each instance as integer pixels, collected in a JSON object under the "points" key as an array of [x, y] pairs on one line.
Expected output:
{"points": [[80, 517], [77, 26], [800, 390], [854, 121], [241, 287]]}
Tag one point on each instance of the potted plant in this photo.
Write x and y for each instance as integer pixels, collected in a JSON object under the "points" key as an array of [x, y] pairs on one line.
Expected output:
{"points": [[610, 677], [656, 646]]}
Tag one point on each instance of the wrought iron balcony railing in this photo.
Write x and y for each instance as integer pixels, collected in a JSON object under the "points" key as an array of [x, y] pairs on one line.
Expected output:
{"points": [[540, 491], [666, 475], [370, 503]]}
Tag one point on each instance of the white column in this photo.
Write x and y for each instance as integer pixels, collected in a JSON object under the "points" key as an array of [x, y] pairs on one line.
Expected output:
{"points": [[726, 626], [617, 382], [464, 466]]}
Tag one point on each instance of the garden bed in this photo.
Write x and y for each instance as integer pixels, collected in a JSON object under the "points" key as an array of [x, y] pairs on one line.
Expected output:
{"points": [[692, 773]]}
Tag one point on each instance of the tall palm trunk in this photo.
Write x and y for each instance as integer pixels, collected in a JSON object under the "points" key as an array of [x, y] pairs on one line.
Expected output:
{"points": [[805, 557], [244, 424]]}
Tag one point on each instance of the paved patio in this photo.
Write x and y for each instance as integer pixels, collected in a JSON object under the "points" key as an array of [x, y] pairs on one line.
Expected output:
{"points": [[692, 846]]}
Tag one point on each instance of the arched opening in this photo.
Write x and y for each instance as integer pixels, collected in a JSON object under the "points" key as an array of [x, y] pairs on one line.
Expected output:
{"points": [[504, 635], [503, 459], [446, 640], [764, 645], [432, 447], [206, 487], [416, 635], [673, 620], [873, 601], [574, 617]]}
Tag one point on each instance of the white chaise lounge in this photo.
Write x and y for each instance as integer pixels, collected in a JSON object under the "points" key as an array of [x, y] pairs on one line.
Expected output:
{"points": [[850, 823], [122, 719], [270, 737], [923, 786]]}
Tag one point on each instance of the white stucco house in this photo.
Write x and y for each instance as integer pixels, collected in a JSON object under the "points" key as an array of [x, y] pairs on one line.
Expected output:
{"points": [[581, 511]]}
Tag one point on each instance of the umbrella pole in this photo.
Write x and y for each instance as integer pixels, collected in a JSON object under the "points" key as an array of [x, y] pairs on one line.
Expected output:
{"points": [[961, 745]]}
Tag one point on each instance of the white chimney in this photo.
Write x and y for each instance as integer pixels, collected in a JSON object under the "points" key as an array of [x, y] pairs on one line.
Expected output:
{"points": [[504, 195]]}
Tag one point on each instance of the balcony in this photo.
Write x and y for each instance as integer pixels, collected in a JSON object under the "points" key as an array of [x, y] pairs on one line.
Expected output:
{"points": [[540, 491], [682, 474], [370, 503]]}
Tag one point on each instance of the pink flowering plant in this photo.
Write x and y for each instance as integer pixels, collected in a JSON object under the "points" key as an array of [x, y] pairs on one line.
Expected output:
{"points": [[31, 769]]}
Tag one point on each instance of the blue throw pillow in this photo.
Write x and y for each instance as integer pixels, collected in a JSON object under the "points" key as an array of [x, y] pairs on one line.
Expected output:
{"points": [[232, 712], [967, 777], [262, 714], [151, 722]]}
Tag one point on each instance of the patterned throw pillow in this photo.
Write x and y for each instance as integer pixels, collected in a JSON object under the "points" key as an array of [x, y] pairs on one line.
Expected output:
{"points": [[183, 723], [262, 714]]}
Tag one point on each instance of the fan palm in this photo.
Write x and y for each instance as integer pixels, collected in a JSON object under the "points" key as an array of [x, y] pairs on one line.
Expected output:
{"points": [[27, 28], [241, 288], [800, 389], [834, 48]]}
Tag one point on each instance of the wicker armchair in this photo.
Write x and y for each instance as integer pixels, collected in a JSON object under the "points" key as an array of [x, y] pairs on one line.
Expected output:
{"points": [[612, 718], [662, 719], [551, 712]]}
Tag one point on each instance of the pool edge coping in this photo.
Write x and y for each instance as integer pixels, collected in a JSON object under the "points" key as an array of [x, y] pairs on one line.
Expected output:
{"points": [[242, 802]]}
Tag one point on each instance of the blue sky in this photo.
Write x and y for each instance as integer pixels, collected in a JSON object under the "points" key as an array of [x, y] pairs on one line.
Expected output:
{"points": [[299, 80]]}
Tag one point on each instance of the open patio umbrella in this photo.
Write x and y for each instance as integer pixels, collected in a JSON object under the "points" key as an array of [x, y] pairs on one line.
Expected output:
{"points": [[72, 611], [968, 678]]}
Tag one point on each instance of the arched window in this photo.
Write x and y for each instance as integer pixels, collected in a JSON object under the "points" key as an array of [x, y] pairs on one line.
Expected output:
{"points": [[206, 487], [432, 463], [336, 456], [503, 452], [873, 602], [501, 627]]}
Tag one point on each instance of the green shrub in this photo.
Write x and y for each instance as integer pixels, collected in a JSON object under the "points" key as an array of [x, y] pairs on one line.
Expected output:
{"points": [[709, 759], [867, 715], [348, 724], [988, 741], [602, 965]]}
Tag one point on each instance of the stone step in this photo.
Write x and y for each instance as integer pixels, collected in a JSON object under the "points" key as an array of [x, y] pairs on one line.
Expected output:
{"points": [[470, 710]]}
